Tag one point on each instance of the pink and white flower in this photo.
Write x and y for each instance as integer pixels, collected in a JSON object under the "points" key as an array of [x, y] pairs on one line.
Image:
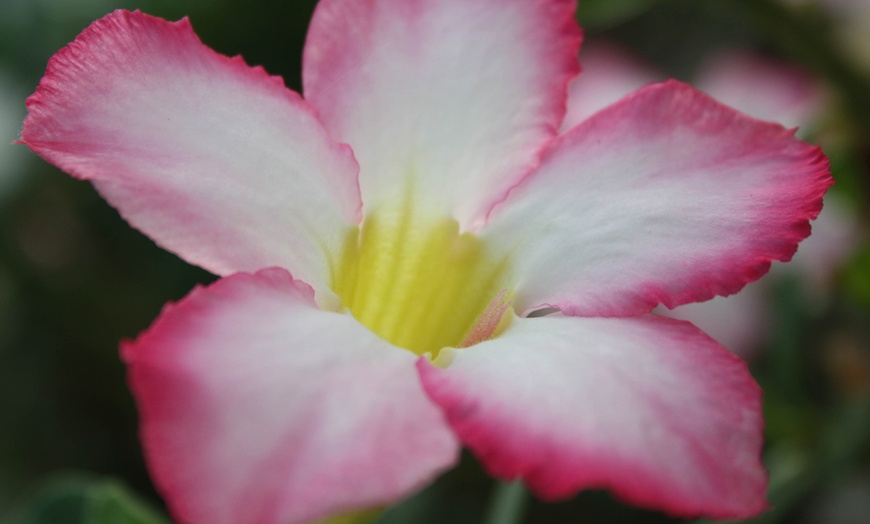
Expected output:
{"points": [[761, 87], [425, 204]]}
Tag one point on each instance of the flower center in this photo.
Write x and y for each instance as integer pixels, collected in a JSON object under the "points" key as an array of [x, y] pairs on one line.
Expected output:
{"points": [[420, 284]]}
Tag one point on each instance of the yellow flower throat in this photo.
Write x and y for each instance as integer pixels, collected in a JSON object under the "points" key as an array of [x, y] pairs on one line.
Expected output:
{"points": [[420, 284]]}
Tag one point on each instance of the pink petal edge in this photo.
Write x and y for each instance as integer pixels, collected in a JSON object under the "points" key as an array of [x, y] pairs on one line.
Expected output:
{"points": [[258, 407], [451, 100], [649, 408], [216, 161], [609, 73], [664, 197]]}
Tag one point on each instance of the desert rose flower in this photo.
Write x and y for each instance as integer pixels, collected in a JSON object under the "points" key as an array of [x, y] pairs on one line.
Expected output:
{"points": [[383, 240], [764, 88]]}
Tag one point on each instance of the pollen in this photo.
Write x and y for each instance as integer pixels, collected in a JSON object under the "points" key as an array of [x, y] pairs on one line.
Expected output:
{"points": [[420, 284]]}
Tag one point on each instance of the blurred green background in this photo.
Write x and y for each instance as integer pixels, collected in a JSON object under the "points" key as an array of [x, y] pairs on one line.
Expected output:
{"points": [[75, 279]]}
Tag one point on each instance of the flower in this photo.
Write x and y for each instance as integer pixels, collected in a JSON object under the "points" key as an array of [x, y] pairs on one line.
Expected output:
{"points": [[763, 88], [758, 86], [424, 204]]}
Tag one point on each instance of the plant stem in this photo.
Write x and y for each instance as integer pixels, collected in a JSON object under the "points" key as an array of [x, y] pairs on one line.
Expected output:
{"points": [[508, 504]]}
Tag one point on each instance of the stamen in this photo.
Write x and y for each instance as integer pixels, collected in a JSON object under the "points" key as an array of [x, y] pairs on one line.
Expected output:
{"points": [[488, 323]]}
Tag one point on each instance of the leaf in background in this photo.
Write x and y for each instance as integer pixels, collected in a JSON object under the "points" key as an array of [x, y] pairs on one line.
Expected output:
{"points": [[357, 517], [856, 277], [597, 15], [84, 500]]}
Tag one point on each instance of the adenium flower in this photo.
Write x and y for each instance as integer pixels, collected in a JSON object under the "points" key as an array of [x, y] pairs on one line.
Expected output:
{"points": [[383, 241], [763, 88], [758, 86]]}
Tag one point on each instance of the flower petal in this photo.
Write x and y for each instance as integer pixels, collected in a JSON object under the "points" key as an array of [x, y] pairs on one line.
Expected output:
{"points": [[451, 100], [216, 161], [766, 89], [258, 407], [741, 322], [665, 197], [648, 407], [837, 233], [609, 73]]}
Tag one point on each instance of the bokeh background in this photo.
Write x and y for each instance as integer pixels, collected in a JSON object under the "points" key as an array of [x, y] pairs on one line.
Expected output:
{"points": [[75, 279]]}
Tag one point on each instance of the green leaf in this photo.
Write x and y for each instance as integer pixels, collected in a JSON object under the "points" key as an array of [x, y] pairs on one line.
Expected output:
{"points": [[856, 277], [81, 499], [597, 15], [110, 503], [356, 517], [56, 503]]}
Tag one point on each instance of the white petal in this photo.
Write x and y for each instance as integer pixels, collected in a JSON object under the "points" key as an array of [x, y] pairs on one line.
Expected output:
{"points": [[647, 407], [216, 161], [665, 197], [256, 406], [450, 101]]}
